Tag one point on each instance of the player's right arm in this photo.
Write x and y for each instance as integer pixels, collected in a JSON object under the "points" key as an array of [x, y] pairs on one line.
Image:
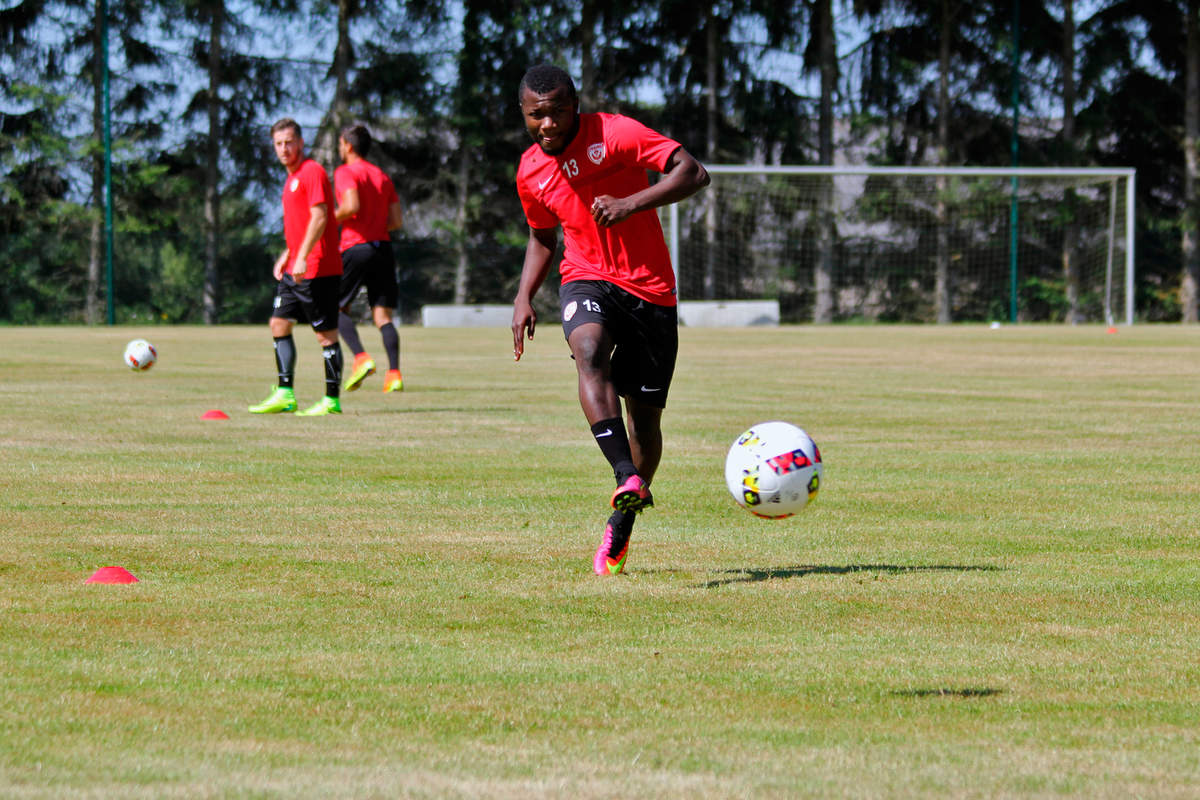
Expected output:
{"points": [[348, 204], [538, 252], [317, 218]]}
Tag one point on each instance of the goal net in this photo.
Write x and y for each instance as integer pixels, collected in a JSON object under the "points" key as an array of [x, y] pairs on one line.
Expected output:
{"points": [[911, 244]]}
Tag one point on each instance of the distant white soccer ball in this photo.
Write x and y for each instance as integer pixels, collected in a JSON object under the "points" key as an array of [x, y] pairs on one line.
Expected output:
{"points": [[140, 355], [773, 470]]}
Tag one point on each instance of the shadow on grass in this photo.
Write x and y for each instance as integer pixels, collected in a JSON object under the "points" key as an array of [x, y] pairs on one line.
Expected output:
{"points": [[783, 573], [445, 410], [966, 693]]}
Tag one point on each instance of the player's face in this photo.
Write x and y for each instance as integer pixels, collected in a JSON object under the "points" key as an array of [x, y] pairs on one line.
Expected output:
{"points": [[552, 119], [289, 148]]}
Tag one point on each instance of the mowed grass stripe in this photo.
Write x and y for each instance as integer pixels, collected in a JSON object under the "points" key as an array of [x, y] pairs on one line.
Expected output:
{"points": [[994, 595]]}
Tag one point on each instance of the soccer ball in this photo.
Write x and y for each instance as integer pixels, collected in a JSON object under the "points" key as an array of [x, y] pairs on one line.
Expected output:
{"points": [[773, 470], [140, 355]]}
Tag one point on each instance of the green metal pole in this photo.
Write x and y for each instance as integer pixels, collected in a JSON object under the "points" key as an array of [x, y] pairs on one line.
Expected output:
{"points": [[1013, 217], [108, 198], [1016, 122]]}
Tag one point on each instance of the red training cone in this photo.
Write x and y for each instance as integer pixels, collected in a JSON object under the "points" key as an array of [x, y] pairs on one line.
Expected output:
{"points": [[214, 413], [112, 575], [1111, 329]]}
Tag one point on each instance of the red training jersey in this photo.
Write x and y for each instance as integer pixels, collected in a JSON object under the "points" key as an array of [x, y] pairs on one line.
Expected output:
{"points": [[609, 155], [306, 187], [375, 195]]}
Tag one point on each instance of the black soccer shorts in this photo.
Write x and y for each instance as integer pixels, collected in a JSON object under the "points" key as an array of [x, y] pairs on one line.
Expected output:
{"points": [[314, 301], [372, 265], [645, 335]]}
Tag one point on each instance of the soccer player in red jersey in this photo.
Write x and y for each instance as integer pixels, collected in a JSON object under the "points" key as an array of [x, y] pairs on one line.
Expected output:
{"points": [[586, 173], [309, 274], [368, 210]]}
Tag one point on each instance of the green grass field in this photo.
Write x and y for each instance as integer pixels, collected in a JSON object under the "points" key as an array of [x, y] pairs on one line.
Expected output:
{"points": [[997, 593]]}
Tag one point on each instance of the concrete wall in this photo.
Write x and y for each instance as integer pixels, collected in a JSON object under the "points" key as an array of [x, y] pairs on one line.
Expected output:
{"points": [[479, 316], [692, 313], [728, 313]]}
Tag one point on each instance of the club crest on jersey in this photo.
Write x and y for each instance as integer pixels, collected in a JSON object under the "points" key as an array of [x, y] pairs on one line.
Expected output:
{"points": [[295, 184], [596, 152]]}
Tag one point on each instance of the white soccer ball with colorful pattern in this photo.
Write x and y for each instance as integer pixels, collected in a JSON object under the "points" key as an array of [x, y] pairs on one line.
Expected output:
{"points": [[773, 470], [140, 355]]}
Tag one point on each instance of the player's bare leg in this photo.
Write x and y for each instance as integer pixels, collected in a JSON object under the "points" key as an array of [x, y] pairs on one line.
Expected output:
{"points": [[645, 436], [592, 347]]}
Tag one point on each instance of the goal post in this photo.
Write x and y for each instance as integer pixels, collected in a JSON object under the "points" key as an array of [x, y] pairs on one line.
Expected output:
{"points": [[911, 244]]}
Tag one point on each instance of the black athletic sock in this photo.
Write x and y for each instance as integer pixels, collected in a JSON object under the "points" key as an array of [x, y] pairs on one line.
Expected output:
{"points": [[333, 369], [622, 526], [349, 333], [285, 360], [614, 443], [391, 345]]}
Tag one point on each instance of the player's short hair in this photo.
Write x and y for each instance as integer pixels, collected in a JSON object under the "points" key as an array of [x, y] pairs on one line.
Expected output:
{"points": [[287, 122], [544, 79], [358, 137]]}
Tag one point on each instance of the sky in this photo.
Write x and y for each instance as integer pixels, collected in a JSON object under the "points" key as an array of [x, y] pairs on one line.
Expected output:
{"points": [[309, 45]]}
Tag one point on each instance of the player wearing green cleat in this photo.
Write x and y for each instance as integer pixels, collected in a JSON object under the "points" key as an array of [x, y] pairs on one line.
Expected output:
{"points": [[326, 405], [280, 400], [308, 273]]}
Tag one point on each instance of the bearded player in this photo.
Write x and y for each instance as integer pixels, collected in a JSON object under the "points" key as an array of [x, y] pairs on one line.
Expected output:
{"points": [[586, 173]]}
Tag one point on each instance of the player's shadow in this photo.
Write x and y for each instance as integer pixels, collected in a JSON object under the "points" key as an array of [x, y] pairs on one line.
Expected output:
{"points": [[803, 571]]}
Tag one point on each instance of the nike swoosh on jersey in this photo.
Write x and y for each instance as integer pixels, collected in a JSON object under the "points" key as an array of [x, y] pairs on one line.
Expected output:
{"points": [[542, 184]]}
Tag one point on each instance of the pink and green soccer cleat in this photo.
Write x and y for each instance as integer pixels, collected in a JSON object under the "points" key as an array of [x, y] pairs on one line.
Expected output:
{"points": [[606, 561], [632, 495]]}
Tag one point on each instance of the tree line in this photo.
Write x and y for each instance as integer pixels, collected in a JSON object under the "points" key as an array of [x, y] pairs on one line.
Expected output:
{"points": [[191, 87]]}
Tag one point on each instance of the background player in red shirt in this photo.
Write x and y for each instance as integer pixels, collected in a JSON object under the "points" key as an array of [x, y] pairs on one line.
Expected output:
{"points": [[368, 210], [586, 173], [309, 274]]}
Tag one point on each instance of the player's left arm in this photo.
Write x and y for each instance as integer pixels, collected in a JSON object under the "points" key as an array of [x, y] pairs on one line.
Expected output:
{"points": [[683, 176], [395, 219], [318, 216]]}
